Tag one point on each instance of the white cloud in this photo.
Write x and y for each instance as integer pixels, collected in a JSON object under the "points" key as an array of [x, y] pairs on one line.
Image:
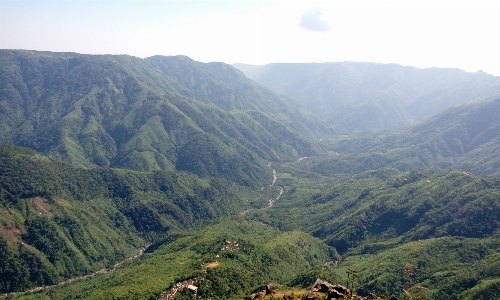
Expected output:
{"points": [[312, 21]]}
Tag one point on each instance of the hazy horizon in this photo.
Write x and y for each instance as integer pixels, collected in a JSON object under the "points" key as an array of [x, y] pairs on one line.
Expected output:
{"points": [[443, 34]]}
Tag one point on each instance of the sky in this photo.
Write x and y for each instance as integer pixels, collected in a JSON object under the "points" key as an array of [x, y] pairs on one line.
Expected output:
{"points": [[422, 34]]}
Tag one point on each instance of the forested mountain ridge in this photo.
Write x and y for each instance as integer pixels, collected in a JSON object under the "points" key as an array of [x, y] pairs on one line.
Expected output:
{"points": [[444, 221], [205, 142], [367, 96], [226, 259], [446, 224], [59, 221], [168, 113], [464, 137], [381, 205]]}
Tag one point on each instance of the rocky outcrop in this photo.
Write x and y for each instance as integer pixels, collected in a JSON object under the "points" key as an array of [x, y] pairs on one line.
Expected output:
{"points": [[321, 286], [271, 289], [334, 291], [319, 290], [193, 289]]}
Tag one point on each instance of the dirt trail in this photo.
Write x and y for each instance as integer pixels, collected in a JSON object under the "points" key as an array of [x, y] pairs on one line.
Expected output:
{"points": [[101, 271]]}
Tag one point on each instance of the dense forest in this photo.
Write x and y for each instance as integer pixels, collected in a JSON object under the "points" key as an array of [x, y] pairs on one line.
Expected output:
{"points": [[59, 221], [129, 178], [145, 115]]}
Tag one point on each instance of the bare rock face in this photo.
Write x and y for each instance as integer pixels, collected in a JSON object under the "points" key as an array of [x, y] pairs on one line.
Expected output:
{"points": [[321, 286], [335, 291], [271, 289], [334, 294], [340, 289], [193, 289]]}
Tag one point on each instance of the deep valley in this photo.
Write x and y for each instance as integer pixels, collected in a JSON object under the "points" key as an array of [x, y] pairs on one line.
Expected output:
{"points": [[130, 178]]}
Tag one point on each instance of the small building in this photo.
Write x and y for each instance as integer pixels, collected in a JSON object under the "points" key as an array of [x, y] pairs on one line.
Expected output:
{"points": [[193, 288]]}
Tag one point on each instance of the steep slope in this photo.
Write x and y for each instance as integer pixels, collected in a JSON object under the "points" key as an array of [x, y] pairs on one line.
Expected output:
{"points": [[465, 137], [161, 113], [443, 225], [368, 96], [447, 268], [59, 221], [470, 133], [230, 258], [367, 210]]}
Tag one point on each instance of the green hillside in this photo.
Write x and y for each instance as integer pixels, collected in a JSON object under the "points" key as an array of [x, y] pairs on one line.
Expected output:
{"points": [[127, 178], [464, 137], [59, 221], [384, 205], [226, 259], [356, 96], [446, 224], [442, 226], [160, 113]]}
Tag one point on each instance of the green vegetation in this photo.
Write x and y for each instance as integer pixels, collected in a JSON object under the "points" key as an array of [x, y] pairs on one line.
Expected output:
{"points": [[446, 267], [247, 254], [160, 113], [180, 156], [445, 223], [381, 206], [60, 221], [464, 138]]}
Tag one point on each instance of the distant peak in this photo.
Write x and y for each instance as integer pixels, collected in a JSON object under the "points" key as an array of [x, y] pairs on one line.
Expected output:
{"points": [[481, 72]]}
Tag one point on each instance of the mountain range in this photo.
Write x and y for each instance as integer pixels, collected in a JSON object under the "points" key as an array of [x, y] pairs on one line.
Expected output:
{"points": [[131, 178], [160, 113], [464, 137], [355, 97]]}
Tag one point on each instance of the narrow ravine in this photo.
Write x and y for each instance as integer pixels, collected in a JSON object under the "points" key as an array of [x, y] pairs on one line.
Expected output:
{"points": [[272, 200]]}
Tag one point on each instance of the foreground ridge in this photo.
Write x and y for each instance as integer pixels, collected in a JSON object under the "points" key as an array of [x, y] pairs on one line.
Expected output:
{"points": [[320, 289]]}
